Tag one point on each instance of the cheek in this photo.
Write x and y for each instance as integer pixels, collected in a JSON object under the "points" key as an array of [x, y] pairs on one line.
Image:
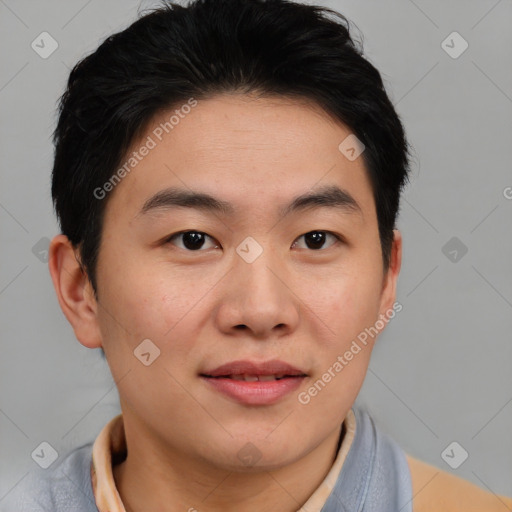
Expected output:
{"points": [[151, 308], [344, 303], [170, 308]]}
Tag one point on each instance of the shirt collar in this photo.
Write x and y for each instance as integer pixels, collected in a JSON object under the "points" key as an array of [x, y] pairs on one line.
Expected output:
{"points": [[109, 448]]}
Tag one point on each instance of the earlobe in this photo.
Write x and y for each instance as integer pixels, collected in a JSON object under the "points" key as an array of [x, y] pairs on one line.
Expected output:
{"points": [[74, 292], [391, 276]]}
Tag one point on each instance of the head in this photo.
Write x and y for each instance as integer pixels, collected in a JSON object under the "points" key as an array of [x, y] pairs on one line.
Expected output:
{"points": [[257, 104]]}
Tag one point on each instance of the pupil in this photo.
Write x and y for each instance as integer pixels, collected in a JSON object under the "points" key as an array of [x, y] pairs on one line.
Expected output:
{"points": [[193, 240], [317, 239]]}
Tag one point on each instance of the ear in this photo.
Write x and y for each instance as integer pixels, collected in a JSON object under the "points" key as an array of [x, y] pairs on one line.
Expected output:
{"points": [[390, 280], [74, 292]]}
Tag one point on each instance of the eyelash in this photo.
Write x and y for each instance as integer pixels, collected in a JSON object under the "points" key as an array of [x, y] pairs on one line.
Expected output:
{"points": [[169, 239]]}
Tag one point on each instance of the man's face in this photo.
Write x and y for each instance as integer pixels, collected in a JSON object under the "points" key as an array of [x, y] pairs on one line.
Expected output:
{"points": [[251, 284]]}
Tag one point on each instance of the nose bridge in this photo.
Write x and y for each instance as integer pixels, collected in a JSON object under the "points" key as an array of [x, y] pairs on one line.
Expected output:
{"points": [[257, 267], [257, 296]]}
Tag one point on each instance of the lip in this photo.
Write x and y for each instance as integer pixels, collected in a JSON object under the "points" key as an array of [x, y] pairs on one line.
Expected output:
{"points": [[255, 392], [272, 367]]}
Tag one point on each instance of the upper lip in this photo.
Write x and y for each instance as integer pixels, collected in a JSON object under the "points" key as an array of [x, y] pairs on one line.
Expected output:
{"points": [[243, 367]]}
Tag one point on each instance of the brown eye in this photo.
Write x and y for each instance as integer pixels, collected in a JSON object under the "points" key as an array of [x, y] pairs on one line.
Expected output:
{"points": [[316, 239], [191, 240]]}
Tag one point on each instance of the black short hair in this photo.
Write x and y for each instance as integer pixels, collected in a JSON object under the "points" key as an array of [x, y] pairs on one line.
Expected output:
{"points": [[174, 53]]}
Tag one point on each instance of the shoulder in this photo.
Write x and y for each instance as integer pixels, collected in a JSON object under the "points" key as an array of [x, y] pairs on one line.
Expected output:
{"points": [[63, 487], [434, 489]]}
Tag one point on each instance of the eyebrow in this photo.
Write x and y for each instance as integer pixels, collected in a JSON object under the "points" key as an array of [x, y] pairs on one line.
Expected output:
{"points": [[329, 196]]}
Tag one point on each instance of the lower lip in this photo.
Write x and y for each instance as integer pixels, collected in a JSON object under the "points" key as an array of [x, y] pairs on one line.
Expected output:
{"points": [[258, 392]]}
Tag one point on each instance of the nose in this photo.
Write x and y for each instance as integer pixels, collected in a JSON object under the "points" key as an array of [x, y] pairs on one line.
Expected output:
{"points": [[258, 299]]}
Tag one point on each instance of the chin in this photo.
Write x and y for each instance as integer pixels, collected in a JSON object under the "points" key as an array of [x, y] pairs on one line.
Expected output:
{"points": [[254, 457]]}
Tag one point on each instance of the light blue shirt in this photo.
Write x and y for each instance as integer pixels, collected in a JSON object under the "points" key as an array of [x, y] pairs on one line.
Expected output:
{"points": [[375, 477]]}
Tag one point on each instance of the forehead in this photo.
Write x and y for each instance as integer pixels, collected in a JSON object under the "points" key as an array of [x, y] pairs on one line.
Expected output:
{"points": [[253, 153]]}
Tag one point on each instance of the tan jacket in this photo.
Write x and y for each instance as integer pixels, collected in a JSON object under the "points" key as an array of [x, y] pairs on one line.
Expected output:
{"points": [[435, 490]]}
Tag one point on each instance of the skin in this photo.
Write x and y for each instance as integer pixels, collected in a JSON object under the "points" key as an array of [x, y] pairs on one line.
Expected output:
{"points": [[295, 303]]}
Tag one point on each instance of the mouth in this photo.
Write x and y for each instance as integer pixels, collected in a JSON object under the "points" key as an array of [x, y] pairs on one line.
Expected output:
{"points": [[252, 370], [252, 383], [254, 378]]}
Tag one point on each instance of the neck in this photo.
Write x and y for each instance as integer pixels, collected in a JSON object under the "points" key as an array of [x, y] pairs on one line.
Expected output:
{"points": [[147, 480]]}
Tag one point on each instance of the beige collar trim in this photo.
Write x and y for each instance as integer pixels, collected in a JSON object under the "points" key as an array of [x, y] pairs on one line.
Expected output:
{"points": [[112, 440]]}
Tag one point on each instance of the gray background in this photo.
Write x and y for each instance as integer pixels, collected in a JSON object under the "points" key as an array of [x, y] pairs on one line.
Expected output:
{"points": [[441, 370]]}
